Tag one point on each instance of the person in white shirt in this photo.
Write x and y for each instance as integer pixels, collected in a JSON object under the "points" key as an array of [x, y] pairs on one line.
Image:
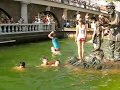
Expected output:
{"points": [[80, 38]]}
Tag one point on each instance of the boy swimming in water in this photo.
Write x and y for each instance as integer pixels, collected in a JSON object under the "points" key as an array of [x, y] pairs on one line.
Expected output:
{"points": [[51, 63], [20, 67]]}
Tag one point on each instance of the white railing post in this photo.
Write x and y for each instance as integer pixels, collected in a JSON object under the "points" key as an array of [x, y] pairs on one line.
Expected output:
{"points": [[5, 29], [8, 29], [33, 28], [24, 28], [40, 27]]}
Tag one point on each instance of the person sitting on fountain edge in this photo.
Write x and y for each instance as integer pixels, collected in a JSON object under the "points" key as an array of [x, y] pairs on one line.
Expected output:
{"points": [[55, 49]]}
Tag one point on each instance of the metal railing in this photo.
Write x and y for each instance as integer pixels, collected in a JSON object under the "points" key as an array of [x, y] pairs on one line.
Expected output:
{"points": [[25, 28]]}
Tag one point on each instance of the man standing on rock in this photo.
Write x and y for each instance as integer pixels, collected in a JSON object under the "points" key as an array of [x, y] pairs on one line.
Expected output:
{"points": [[114, 34]]}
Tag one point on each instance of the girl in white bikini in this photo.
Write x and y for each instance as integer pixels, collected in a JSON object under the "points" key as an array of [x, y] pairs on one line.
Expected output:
{"points": [[80, 38]]}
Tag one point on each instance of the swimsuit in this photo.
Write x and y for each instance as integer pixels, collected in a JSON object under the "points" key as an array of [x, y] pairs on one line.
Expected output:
{"points": [[55, 44], [81, 34]]}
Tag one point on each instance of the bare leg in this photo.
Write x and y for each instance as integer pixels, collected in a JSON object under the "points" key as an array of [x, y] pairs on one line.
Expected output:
{"points": [[52, 49], [82, 50], [79, 51]]}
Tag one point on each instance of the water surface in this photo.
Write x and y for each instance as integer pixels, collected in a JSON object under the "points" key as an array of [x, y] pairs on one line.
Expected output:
{"points": [[61, 78]]}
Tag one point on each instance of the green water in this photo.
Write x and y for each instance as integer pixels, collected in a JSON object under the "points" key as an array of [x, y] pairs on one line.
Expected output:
{"points": [[61, 78]]}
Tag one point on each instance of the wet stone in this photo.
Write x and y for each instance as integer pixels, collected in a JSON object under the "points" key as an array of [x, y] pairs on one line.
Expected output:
{"points": [[92, 61], [72, 60]]}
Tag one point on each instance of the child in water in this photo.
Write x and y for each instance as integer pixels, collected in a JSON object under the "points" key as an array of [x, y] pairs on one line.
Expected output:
{"points": [[51, 63], [56, 47], [20, 67]]}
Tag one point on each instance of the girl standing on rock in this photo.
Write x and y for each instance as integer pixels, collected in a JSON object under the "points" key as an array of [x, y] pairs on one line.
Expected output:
{"points": [[80, 38]]}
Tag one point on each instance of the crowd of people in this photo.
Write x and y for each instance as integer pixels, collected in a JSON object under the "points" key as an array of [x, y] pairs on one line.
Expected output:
{"points": [[47, 19], [82, 3], [6, 20]]}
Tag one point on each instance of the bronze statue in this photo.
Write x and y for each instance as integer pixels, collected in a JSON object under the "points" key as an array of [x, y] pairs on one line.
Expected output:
{"points": [[114, 34]]}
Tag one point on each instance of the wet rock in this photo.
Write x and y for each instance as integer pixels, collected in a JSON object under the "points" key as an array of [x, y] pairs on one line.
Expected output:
{"points": [[72, 60], [92, 61], [95, 56], [111, 65], [95, 59]]}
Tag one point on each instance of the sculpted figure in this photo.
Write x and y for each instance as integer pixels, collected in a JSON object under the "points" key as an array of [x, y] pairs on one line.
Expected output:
{"points": [[114, 33]]}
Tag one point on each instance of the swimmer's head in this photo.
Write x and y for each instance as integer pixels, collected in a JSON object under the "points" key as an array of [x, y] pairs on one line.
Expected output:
{"points": [[57, 62], [22, 65]]}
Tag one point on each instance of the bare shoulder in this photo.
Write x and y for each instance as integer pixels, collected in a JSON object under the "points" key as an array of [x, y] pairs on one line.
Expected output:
{"points": [[17, 68]]}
